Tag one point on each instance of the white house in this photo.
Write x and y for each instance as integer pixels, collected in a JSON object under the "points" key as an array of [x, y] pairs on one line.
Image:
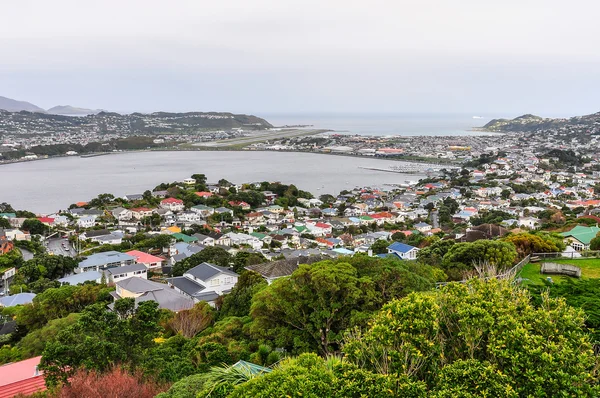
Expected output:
{"points": [[404, 251], [204, 211], [172, 204], [529, 222], [86, 222], [119, 273], [205, 282], [121, 214]]}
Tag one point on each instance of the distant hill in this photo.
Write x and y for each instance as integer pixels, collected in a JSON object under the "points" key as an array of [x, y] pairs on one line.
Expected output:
{"points": [[12, 105], [532, 123], [134, 124], [72, 110]]}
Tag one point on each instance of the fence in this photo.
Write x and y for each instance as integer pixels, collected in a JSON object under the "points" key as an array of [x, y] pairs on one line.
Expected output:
{"points": [[566, 255]]}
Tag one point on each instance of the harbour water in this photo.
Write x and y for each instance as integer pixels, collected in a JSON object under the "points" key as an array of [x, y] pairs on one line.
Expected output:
{"points": [[407, 124], [48, 185]]}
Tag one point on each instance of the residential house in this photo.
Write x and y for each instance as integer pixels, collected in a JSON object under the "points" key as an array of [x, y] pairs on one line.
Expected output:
{"points": [[580, 237], [121, 214], [128, 271], [133, 197], [145, 290], [140, 212], [269, 197], [404, 251], [224, 210], [5, 245], [423, 227], [151, 262], [15, 234], [205, 282], [86, 222], [280, 268], [172, 204], [529, 222], [105, 260], [205, 240], [204, 211]]}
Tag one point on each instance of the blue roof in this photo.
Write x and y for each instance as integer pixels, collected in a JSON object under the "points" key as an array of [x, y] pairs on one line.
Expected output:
{"points": [[80, 278], [400, 247], [343, 251], [17, 299]]}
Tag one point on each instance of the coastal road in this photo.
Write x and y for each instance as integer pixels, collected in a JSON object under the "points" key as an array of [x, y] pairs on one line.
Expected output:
{"points": [[59, 246]]}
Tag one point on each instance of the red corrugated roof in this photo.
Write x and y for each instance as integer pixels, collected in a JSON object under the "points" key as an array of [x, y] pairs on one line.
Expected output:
{"points": [[26, 387], [20, 377], [171, 200]]}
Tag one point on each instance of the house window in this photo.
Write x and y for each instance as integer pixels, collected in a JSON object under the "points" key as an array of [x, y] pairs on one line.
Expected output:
{"points": [[215, 282]]}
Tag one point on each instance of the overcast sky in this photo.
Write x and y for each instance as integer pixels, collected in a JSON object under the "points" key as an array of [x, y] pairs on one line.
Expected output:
{"points": [[269, 56]]}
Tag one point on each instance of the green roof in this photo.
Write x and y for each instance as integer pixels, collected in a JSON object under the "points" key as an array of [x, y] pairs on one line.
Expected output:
{"points": [[301, 228], [8, 215], [259, 235], [367, 218], [582, 233], [184, 237]]}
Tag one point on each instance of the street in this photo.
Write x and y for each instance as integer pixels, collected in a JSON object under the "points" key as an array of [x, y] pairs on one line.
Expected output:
{"points": [[55, 246]]}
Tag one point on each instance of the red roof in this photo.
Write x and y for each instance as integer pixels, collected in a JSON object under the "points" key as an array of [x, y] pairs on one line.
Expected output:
{"points": [[171, 200], [144, 258], [322, 225], [21, 377], [204, 194], [46, 220]]}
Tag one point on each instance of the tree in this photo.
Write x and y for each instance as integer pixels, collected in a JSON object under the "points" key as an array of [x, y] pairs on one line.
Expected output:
{"points": [[191, 322], [243, 259], [4, 223], [211, 254], [99, 340], [311, 376], [237, 302], [398, 236], [462, 257], [380, 246], [595, 242], [200, 178], [312, 307], [47, 266], [481, 335], [527, 243], [35, 226], [435, 252]]}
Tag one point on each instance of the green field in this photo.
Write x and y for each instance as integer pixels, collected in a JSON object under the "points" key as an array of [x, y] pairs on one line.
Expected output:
{"points": [[590, 268]]}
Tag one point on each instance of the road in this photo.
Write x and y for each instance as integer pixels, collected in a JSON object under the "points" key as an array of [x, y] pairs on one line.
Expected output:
{"points": [[27, 255], [435, 222], [55, 245]]}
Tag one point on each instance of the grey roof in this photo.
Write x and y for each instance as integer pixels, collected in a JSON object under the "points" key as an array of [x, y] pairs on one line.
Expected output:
{"points": [[96, 232], [16, 299], [166, 297], [134, 196], [206, 271], [202, 237], [109, 237], [80, 278], [118, 210], [126, 268], [208, 296], [92, 212], [186, 285], [105, 258], [140, 285]]}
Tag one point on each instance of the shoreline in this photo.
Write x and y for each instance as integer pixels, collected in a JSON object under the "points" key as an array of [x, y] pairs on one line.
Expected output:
{"points": [[433, 161]]}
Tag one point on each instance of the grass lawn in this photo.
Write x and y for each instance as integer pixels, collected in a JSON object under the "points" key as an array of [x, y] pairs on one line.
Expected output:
{"points": [[590, 268]]}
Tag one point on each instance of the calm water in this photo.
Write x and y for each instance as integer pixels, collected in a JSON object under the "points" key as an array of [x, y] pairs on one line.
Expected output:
{"points": [[46, 186], [387, 124]]}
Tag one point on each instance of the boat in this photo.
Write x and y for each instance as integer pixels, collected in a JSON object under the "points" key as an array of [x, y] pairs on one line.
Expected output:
{"points": [[478, 117]]}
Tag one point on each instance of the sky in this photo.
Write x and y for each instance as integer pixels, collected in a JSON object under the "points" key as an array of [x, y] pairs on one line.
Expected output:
{"points": [[287, 56]]}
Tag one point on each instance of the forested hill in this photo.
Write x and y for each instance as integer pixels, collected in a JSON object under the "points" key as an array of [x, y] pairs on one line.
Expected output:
{"points": [[133, 124], [531, 123]]}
